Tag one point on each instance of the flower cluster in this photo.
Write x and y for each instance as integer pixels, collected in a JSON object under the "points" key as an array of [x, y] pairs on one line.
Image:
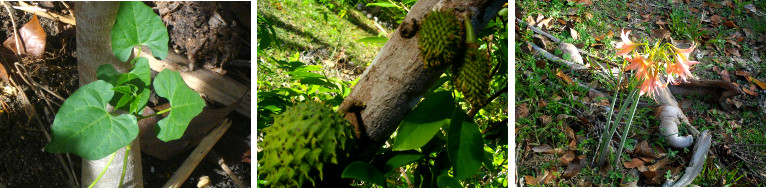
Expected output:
{"points": [[658, 60]]}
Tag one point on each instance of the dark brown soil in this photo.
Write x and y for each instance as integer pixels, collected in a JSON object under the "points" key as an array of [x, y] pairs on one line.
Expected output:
{"points": [[23, 163]]}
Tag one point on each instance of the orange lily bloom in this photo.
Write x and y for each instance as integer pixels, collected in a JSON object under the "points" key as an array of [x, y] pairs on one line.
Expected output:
{"points": [[681, 67], [651, 84], [639, 63], [626, 45]]}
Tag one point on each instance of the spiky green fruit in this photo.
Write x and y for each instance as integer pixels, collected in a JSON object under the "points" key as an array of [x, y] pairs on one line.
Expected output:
{"points": [[472, 79], [302, 141], [441, 36]]}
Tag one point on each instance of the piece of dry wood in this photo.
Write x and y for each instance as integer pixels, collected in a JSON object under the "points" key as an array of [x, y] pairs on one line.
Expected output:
{"points": [[219, 160], [46, 14], [562, 62], [197, 155], [218, 88], [557, 40]]}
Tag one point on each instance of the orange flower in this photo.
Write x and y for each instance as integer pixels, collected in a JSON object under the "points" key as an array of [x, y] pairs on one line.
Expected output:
{"points": [[681, 67], [651, 84], [626, 45], [639, 63]]}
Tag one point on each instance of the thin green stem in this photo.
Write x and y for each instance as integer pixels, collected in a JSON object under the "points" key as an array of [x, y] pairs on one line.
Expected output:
{"points": [[158, 113], [124, 164], [108, 163], [627, 128], [604, 139]]}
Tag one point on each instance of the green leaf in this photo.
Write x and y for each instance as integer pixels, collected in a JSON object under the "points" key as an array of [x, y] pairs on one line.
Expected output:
{"points": [[380, 40], [139, 77], [137, 25], [445, 181], [464, 145], [141, 71], [83, 125], [400, 160], [381, 4], [365, 172], [185, 103], [422, 123]]}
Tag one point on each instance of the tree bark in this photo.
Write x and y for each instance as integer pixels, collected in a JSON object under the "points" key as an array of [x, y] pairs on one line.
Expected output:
{"points": [[94, 25], [395, 81]]}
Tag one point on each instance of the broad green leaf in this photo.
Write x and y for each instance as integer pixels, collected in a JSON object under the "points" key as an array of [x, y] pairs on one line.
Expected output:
{"points": [[381, 4], [422, 123], [380, 40], [464, 145], [137, 25], [84, 127], [445, 181], [365, 172], [185, 103], [400, 160]]}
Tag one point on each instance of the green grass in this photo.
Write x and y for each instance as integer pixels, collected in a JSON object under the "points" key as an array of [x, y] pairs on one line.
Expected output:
{"points": [[308, 25]]}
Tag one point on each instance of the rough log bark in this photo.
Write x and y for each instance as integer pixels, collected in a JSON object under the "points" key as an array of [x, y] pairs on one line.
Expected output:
{"points": [[395, 81], [95, 20]]}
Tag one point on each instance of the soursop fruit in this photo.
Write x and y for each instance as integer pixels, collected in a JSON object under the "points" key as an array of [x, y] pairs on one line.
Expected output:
{"points": [[472, 79], [440, 39], [473, 76], [302, 141]]}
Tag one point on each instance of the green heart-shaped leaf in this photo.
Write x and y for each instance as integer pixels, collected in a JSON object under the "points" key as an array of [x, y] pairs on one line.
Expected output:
{"points": [[185, 103], [84, 127], [137, 25], [422, 123], [464, 145]]}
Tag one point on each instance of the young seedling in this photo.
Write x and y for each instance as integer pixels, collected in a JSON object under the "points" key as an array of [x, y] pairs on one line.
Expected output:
{"points": [[87, 127]]}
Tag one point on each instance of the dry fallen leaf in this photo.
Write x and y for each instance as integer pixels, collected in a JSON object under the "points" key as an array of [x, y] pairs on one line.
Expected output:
{"points": [[32, 37], [715, 19], [542, 148], [730, 24], [732, 51], [550, 175], [522, 111], [643, 149], [572, 168], [757, 82], [574, 33], [725, 75], [694, 10], [586, 2], [567, 157], [749, 92], [3, 73], [661, 33], [545, 119], [563, 76], [532, 181], [633, 163]]}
